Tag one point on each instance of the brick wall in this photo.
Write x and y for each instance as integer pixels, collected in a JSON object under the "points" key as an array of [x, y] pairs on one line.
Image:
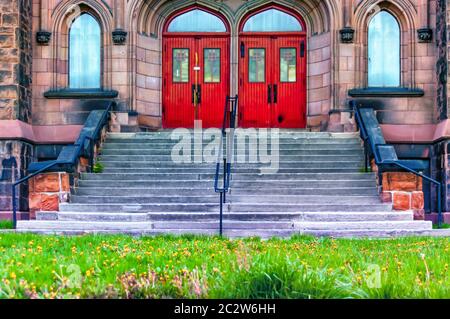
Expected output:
{"points": [[15, 60]]}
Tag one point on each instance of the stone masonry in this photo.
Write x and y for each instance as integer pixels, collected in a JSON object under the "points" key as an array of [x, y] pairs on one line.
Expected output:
{"points": [[15, 95]]}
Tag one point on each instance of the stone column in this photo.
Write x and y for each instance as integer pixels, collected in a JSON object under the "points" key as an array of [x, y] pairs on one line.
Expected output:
{"points": [[15, 96], [442, 20]]}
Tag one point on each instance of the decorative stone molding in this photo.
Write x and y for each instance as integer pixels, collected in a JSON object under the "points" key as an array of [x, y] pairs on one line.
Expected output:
{"points": [[425, 35], [43, 37], [119, 36], [347, 35]]}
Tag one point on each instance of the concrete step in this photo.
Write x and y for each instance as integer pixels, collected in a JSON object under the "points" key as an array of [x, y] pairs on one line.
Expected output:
{"points": [[165, 165], [214, 207], [236, 185], [113, 191], [232, 199], [235, 177], [236, 170], [282, 146], [239, 216], [289, 158], [238, 131], [227, 225], [282, 152], [253, 141]]}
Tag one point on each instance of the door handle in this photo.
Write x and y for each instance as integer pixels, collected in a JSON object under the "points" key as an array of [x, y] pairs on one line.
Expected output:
{"points": [[196, 93], [275, 93], [269, 94], [302, 49]]}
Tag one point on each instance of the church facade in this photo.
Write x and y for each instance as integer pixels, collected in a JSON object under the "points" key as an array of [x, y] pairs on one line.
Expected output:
{"points": [[293, 64]]}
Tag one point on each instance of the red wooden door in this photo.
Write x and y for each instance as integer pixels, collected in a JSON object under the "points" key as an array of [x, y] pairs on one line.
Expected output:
{"points": [[177, 82], [195, 64], [272, 83]]}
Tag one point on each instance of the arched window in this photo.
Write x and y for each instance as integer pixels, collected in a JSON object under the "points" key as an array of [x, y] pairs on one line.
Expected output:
{"points": [[84, 53], [196, 20], [272, 20], [384, 51]]}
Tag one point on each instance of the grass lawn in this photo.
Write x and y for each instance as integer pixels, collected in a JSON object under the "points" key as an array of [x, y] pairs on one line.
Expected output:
{"points": [[6, 224], [33, 266]]}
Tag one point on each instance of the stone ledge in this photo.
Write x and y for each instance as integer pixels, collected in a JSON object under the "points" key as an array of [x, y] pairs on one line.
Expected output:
{"points": [[386, 92], [81, 94]]}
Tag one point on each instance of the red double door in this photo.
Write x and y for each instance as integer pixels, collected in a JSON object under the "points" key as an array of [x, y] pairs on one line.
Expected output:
{"points": [[272, 81], [195, 79]]}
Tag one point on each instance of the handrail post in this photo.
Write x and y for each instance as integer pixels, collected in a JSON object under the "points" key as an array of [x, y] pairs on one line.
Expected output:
{"points": [[224, 178], [221, 215], [14, 205], [439, 207]]}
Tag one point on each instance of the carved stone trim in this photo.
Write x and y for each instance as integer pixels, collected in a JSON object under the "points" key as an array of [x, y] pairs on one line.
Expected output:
{"points": [[119, 36], [425, 35], [43, 37], [347, 35]]}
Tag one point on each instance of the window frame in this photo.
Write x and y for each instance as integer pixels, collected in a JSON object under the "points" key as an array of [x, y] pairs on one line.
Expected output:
{"points": [[400, 77], [295, 63], [101, 48], [220, 66], [180, 12], [281, 8], [265, 65], [189, 65], [258, 13]]}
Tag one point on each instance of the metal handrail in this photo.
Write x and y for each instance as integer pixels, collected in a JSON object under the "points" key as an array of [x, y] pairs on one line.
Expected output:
{"points": [[80, 146], [380, 162], [227, 156]]}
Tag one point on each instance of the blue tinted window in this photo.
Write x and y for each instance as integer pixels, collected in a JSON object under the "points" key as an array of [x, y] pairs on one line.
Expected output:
{"points": [[84, 53], [272, 20], [196, 21], [384, 51]]}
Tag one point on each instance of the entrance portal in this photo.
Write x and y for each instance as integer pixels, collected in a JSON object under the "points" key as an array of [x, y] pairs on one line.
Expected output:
{"points": [[195, 69], [272, 70]]}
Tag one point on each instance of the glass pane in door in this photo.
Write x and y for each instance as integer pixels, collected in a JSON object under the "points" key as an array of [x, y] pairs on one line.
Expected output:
{"points": [[256, 65], [180, 63], [288, 65], [211, 65]]}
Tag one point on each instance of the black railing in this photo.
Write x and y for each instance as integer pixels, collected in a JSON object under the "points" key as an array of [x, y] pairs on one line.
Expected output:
{"points": [[385, 155], [69, 155], [225, 157]]}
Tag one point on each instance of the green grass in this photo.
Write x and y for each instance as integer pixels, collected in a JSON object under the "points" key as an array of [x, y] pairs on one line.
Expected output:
{"points": [[443, 226], [6, 224], [33, 266]]}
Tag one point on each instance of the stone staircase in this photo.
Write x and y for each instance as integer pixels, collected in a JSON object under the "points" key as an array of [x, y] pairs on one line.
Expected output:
{"points": [[319, 189]]}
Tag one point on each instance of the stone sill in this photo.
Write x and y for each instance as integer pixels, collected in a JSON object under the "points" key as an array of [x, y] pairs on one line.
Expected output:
{"points": [[81, 94], [386, 92]]}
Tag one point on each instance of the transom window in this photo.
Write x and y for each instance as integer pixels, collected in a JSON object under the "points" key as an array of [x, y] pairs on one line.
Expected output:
{"points": [[196, 21], [384, 51], [84, 53], [272, 20]]}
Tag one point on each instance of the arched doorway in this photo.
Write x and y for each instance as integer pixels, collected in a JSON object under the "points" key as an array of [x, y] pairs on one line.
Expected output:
{"points": [[195, 68], [272, 69]]}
